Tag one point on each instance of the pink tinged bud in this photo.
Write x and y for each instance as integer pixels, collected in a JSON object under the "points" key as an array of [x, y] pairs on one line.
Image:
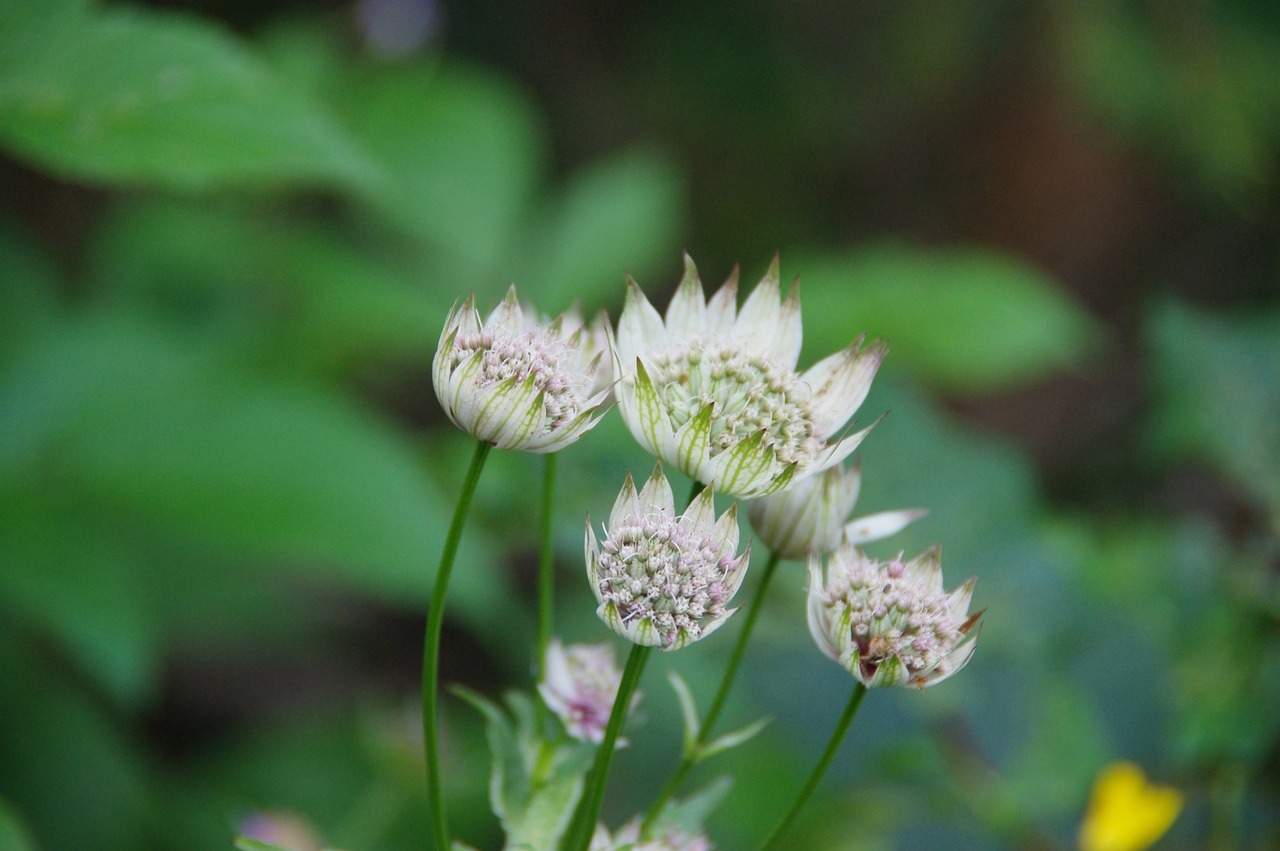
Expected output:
{"points": [[283, 829], [580, 684]]}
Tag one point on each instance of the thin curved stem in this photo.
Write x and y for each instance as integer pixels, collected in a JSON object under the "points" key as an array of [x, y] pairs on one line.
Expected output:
{"points": [[546, 566], [691, 757], [833, 745], [431, 648], [583, 823]]}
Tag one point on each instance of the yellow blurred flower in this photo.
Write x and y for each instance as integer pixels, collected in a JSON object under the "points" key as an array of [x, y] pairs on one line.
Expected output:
{"points": [[1126, 813]]}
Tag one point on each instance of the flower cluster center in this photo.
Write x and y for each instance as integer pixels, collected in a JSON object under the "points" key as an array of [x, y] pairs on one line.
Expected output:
{"points": [[652, 568], [892, 615], [532, 354], [748, 395]]}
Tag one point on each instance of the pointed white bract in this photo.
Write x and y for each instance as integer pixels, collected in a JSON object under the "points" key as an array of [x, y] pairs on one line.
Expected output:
{"points": [[580, 683], [890, 624], [516, 383], [809, 517], [663, 580], [713, 390], [628, 839]]}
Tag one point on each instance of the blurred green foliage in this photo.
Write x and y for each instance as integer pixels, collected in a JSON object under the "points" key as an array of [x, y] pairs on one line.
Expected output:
{"points": [[225, 254]]}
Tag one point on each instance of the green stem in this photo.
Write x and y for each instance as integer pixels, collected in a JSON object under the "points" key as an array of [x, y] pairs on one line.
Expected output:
{"points": [[693, 755], [431, 648], [837, 736], [546, 566], [583, 823]]}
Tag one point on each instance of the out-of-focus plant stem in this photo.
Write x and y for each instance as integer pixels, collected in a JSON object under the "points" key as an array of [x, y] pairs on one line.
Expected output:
{"points": [[833, 745], [583, 823], [431, 649], [693, 755]]}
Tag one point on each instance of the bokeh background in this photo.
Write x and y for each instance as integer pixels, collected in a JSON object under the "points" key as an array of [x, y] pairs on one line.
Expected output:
{"points": [[230, 232]]}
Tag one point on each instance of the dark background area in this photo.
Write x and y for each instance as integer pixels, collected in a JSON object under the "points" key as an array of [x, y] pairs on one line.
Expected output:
{"points": [[229, 233]]}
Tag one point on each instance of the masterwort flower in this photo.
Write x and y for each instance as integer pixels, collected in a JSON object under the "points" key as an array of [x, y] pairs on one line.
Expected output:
{"points": [[809, 517], [890, 624], [580, 683], [591, 339], [515, 383], [628, 839], [1126, 813], [714, 391], [663, 580]]}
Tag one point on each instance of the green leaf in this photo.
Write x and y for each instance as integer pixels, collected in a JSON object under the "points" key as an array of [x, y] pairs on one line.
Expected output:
{"points": [[1219, 382], [245, 844], [127, 96], [965, 320], [64, 752], [1066, 748], [619, 215], [1211, 110], [463, 149], [509, 783], [690, 814], [336, 305], [162, 428], [732, 739], [688, 712], [548, 813], [72, 581], [14, 835], [29, 297]]}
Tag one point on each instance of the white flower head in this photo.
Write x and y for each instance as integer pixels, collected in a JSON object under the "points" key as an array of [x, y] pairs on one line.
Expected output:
{"points": [[628, 839], [890, 624], [580, 683], [663, 580], [809, 517], [591, 339], [514, 382], [714, 391]]}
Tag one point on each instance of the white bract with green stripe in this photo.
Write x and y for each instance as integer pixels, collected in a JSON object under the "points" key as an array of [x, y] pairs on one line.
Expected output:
{"points": [[713, 390], [516, 383], [812, 516]]}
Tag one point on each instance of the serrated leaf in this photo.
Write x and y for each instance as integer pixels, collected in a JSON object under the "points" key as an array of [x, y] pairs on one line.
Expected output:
{"points": [[509, 786], [548, 814], [964, 319], [129, 96]]}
